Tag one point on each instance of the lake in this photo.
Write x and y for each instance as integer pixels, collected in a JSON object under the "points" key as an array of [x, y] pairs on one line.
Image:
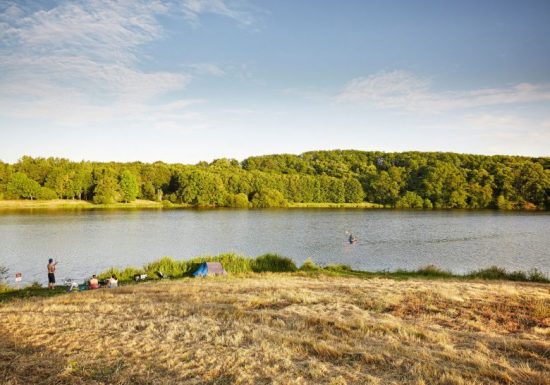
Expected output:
{"points": [[90, 241]]}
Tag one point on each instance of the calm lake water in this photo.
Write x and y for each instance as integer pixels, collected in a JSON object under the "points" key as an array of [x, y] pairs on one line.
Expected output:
{"points": [[87, 242]]}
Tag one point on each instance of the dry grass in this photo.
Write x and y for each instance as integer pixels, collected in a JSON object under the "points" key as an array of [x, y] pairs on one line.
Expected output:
{"points": [[282, 329]]}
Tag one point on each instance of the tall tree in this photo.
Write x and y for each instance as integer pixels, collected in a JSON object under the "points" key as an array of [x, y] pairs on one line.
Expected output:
{"points": [[129, 188], [21, 186]]}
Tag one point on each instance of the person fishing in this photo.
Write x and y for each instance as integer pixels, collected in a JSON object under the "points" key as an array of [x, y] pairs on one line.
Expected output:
{"points": [[51, 273]]}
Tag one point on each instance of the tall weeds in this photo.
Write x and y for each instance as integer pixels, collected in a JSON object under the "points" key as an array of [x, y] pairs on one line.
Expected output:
{"points": [[238, 264]]}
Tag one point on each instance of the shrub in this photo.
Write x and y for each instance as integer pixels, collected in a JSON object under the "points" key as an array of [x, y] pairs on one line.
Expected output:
{"points": [[309, 265], [3, 273], [536, 275], [273, 263], [239, 201], [167, 266], [232, 263], [167, 204], [3, 276], [433, 271], [338, 268], [126, 275], [493, 272], [46, 194], [410, 200], [268, 198]]}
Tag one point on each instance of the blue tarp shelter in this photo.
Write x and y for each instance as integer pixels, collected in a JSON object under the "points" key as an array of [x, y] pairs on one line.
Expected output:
{"points": [[209, 268]]}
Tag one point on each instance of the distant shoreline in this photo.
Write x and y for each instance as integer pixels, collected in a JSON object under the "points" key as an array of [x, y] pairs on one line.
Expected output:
{"points": [[68, 204], [147, 204]]}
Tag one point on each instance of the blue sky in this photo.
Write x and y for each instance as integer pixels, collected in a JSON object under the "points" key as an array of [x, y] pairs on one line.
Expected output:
{"points": [[191, 80]]}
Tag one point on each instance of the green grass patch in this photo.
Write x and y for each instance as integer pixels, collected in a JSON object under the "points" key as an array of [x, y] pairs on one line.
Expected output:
{"points": [[273, 263], [34, 290], [238, 264], [495, 272], [330, 205]]}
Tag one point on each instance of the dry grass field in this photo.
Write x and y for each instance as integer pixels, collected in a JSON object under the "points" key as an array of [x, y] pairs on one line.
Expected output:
{"points": [[282, 329]]}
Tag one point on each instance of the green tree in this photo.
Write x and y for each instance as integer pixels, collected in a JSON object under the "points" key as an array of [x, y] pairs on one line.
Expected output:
{"points": [[268, 198], [331, 189], [239, 201], [107, 190], [21, 186], [129, 188], [201, 188], [504, 204], [5, 175], [531, 183], [445, 185], [410, 200], [385, 188], [353, 191]]}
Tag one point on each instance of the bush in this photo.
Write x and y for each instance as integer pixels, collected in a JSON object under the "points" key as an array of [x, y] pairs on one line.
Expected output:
{"points": [[167, 266], [338, 268], [433, 271], [3, 273], [46, 194], [410, 200], [495, 272], [273, 263], [309, 265], [126, 275], [536, 275], [232, 263], [239, 201], [267, 198], [3, 277]]}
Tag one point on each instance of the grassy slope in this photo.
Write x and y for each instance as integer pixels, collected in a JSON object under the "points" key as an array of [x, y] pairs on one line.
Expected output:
{"points": [[282, 329], [76, 204], [140, 203], [316, 205]]}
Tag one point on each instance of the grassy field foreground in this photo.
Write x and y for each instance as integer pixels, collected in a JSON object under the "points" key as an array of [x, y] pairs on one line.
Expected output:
{"points": [[282, 329]]}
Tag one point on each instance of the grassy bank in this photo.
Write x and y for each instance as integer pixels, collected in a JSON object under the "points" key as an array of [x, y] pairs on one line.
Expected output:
{"points": [[83, 205], [146, 204], [328, 205], [286, 328], [272, 263]]}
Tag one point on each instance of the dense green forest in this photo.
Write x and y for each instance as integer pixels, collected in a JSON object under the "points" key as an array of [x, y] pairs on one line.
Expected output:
{"points": [[404, 180]]}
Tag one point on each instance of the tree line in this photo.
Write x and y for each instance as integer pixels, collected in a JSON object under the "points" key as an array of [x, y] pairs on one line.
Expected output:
{"points": [[403, 180]]}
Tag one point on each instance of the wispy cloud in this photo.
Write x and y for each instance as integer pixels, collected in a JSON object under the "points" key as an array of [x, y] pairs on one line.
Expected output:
{"points": [[405, 91], [192, 9], [206, 69], [72, 61]]}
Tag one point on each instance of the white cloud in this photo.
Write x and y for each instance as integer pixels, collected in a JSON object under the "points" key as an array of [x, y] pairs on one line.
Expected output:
{"points": [[79, 62], [404, 91]]}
